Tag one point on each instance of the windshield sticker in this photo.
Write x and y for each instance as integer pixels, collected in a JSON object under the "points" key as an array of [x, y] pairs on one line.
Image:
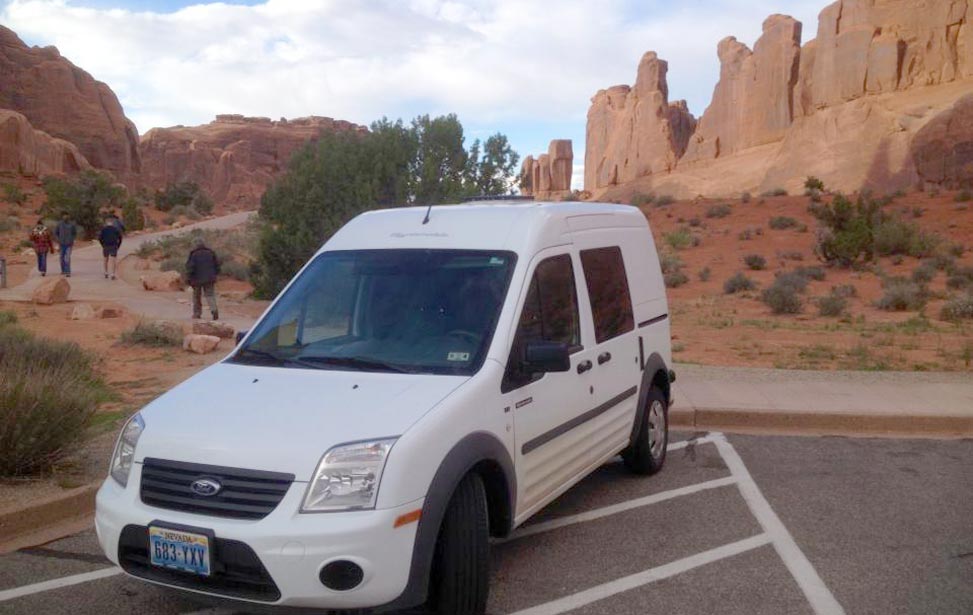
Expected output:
{"points": [[458, 356], [496, 261]]}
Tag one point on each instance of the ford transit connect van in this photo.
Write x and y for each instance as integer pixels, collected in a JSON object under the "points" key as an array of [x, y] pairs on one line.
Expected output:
{"points": [[428, 380]]}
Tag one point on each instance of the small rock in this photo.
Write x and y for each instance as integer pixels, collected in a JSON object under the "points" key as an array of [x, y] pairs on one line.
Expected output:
{"points": [[51, 291], [142, 265], [217, 329], [82, 311], [163, 280], [200, 344], [109, 311]]}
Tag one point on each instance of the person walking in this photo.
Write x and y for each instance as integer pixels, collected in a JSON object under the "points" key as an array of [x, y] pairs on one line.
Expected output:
{"points": [[65, 233], [110, 239], [202, 268], [40, 237]]}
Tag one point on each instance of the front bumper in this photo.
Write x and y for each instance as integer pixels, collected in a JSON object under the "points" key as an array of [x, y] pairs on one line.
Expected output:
{"points": [[292, 547]]}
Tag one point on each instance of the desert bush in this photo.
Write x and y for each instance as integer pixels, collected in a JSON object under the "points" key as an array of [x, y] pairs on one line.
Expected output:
{"points": [[738, 283], [185, 212], [960, 277], [901, 295], [917, 212], [781, 223], [832, 305], [155, 334], [783, 298], [7, 318], [235, 269], [186, 194], [746, 234], [895, 236], [132, 216], [664, 199], [811, 273], [845, 291], [958, 308], [672, 272], [813, 183], [48, 393], [755, 262], [964, 196], [13, 194], [705, 274], [9, 223], [792, 279], [775, 192], [924, 273], [849, 228], [695, 222], [719, 211], [640, 199], [84, 197], [746, 197], [675, 279], [792, 255], [679, 239], [173, 263]]}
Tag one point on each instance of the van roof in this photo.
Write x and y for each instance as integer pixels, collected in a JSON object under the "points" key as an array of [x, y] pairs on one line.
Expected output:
{"points": [[516, 225]]}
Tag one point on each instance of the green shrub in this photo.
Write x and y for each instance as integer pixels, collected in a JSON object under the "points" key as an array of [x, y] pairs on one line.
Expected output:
{"points": [[960, 278], [901, 295], [832, 305], [155, 334], [664, 199], [845, 291], [755, 262], [185, 212], [695, 223], [640, 199], [813, 183], [132, 216], [917, 212], [783, 298], [7, 318], [848, 236], [775, 192], [705, 274], [48, 393], [964, 196], [718, 211], [679, 239], [675, 279], [792, 255], [9, 223], [792, 279], [738, 283], [811, 273], [781, 223], [84, 197], [924, 273], [746, 234], [236, 270], [958, 308], [13, 194], [746, 197], [897, 237], [184, 194], [173, 263]]}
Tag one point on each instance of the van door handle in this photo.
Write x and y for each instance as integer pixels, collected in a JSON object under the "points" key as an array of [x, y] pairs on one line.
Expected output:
{"points": [[584, 366], [604, 357]]}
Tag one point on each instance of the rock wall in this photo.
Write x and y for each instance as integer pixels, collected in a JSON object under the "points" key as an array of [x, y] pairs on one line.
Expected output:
{"points": [[234, 158], [873, 101], [549, 175], [28, 151], [64, 101]]}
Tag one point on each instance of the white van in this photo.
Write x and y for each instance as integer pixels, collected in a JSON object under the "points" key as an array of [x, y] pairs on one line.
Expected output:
{"points": [[428, 380]]}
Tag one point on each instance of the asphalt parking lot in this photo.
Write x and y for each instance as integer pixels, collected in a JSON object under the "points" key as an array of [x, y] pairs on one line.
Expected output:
{"points": [[733, 524]]}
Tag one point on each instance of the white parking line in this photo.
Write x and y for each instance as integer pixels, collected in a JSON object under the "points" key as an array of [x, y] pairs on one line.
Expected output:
{"points": [[36, 588], [624, 584], [614, 509], [675, 446], [822, 600]]}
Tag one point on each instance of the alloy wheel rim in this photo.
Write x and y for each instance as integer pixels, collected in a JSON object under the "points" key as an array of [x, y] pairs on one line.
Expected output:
{"points": [[657, 429]]}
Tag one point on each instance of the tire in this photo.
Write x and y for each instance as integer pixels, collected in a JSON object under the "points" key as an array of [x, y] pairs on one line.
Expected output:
{"points": [[647, 454], [461, 568]]}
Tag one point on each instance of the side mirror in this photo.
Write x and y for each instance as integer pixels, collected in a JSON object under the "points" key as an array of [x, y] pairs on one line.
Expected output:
{"points": [[240, 335], [544, 357]]}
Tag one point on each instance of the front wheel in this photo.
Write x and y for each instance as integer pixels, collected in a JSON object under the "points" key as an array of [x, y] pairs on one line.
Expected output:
{"points": [[647, 453], [461, 569]]}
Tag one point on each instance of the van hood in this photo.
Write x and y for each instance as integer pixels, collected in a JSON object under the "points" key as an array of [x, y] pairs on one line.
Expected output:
{"points": [[282, 419]]}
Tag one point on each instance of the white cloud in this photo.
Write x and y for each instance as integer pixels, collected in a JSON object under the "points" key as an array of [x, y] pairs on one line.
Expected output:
{"points": [[496, 63]]}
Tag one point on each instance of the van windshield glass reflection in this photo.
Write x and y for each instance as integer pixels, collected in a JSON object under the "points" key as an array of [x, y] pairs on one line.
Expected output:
{"points": [[415, 311]]}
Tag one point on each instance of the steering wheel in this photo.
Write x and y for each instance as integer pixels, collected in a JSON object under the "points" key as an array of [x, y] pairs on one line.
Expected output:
{"points": [[473, 338]]}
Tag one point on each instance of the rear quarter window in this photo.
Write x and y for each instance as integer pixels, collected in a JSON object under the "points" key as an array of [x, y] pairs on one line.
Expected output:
{"points": [[607, 282]]}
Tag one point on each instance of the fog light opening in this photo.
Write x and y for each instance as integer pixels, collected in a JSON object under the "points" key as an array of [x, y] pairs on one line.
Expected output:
{"points": [[341, 575]]}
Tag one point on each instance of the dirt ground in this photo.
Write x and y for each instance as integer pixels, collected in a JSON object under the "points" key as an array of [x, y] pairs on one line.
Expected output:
{"points": [[712, 328]]}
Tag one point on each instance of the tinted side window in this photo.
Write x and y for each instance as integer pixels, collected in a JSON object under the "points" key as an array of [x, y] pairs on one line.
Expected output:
{"points": [[611, 303], [550, 314]]}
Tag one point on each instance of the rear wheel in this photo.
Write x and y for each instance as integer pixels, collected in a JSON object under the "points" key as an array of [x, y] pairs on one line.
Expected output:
{"points": [[648, 453], [460, 574]]}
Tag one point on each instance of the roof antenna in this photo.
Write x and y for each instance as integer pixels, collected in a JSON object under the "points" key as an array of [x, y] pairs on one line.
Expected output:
{"points": [[428, 211]]}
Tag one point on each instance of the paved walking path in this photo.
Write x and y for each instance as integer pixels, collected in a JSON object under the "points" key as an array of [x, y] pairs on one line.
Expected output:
{"points": [[89, 284]]}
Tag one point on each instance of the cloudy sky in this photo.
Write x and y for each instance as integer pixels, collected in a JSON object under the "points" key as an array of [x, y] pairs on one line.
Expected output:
{"points": [[527, 68]]}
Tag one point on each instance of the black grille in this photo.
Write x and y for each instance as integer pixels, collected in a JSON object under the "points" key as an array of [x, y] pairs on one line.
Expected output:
{"points": [[246, 494], [236, 569]]}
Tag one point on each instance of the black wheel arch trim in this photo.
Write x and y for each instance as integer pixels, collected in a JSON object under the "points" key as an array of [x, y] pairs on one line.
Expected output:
{"points": [[469, 452], [654, 365]]}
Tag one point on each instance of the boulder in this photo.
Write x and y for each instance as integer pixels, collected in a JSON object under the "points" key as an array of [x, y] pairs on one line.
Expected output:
{"points": [[109, 311], [51, 291], [200, 344], [943, 149], [162, 280], [216, 329], [82, 311], [28, 151]]}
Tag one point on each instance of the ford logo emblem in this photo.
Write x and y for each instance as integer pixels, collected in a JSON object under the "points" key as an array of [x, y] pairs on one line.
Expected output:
{"points": [[206, 487]]}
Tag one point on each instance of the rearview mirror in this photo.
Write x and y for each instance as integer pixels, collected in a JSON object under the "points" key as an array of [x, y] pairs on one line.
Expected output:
{"points": [[544, 357]]}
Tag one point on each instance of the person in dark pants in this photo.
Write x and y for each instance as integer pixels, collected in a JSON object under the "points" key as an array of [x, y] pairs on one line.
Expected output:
{"points": [[40, 237], [110, 239], [65, 233], [202, 268]]}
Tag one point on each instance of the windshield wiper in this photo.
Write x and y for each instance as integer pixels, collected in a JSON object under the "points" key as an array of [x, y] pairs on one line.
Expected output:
{"points": [[358, 362], [279, 360]]}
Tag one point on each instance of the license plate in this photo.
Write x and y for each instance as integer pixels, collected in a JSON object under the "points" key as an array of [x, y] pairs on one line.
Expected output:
{"points": [[179, 550]]}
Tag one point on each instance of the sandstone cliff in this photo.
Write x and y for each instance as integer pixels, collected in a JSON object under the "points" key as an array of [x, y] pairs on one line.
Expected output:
{"points": [[28, 151], [64, 101], [234, 158], [549, 175], [876, 100]]}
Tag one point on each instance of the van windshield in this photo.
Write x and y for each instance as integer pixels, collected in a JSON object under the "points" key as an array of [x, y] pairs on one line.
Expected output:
{"points": [[412, 311]]}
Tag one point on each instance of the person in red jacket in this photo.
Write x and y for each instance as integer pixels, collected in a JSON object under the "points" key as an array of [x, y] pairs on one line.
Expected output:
{"points": [[43, 242]]}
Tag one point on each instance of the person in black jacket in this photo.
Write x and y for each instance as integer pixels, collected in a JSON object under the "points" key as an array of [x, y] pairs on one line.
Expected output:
{"points": [[202, 267], [110, 239]]}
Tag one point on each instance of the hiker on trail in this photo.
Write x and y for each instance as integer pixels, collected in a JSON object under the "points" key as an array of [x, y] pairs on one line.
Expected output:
{"points": [[110, 239], [202, 267], [65, 233], [117, 223], [40, 237]]}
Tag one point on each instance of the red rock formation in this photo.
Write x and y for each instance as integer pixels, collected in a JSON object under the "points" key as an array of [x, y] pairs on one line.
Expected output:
{"points": [[64, 101], [234, 158], [28, 151], [549, 175], [943, 150]]}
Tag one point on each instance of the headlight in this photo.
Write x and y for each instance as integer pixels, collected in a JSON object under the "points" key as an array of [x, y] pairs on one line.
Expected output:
{"points": [[121, 461], [347, 477]]}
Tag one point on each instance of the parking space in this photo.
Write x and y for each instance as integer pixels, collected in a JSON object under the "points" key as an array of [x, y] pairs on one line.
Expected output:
{"points": [[738, 524]]}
